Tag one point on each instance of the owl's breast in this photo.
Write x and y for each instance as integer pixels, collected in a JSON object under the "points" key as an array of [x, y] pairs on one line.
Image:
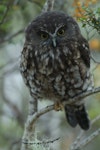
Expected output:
{"points": [[54, 76]]}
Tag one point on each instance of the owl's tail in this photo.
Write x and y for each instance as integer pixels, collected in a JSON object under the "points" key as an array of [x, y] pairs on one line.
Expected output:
{"points": [[76, 114]]}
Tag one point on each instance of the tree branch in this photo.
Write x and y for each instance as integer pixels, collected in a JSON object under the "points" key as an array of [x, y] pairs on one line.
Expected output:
{"points": [[40, 113], [82, 95], [77, 98], [79, 142], [30, 124], [95, 119], [86, 141]]}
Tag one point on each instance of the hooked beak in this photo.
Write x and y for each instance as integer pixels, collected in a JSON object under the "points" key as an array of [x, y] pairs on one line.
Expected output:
{"points": [[54, 42]]}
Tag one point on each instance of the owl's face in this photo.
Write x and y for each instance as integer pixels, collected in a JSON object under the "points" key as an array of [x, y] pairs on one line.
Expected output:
{"points": [[51, 28]]}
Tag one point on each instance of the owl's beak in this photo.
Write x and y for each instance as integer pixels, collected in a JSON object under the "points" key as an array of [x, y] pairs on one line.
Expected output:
{"points": [[54, 42]]}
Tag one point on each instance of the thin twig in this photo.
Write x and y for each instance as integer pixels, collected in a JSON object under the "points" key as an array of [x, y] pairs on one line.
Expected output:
{"points": [[75, 144], [79, 145], [11, 36], [95, 119], [16, 112], [5, 14], [48, 6], [36, 2], [97, 62], [9, 69], [88, 139]]}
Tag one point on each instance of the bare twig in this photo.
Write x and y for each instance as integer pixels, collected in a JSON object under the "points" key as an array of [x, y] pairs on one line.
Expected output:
{"points": [[36, 2], [89, 33], [48, 6], [95, 119], [80, 142], [11, 36], [16, 112], [5, 14], [11, 67], [9, 63], [87, 140], [95, 61]]}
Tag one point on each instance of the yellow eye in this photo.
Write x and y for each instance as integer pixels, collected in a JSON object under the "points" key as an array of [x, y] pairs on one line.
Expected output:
{"points": [[61, 31], [44, 35]]}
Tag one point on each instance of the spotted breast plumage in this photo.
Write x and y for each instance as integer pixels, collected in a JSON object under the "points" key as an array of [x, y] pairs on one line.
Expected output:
{"points": [[55, 63]]}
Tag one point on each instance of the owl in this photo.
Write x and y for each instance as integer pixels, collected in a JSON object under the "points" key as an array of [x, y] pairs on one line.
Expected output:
{"points": [[55, 64]]}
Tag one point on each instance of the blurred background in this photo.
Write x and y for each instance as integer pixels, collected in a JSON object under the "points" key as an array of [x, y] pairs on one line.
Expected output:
{"points": [[15, 16]]}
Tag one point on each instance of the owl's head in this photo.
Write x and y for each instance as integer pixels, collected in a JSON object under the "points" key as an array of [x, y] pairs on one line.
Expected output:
{"points": [[51, 28]]}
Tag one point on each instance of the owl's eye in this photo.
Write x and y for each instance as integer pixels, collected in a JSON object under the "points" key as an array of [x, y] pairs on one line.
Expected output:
{"points": [[61, 31], [43, 35]]}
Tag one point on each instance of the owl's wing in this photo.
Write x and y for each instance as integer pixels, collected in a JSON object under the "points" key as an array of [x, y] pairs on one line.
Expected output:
{"points": [[84, 51]]}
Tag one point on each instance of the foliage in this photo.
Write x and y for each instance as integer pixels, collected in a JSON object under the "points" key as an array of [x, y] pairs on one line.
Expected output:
{"points": [[86, 14], [91, 18]]}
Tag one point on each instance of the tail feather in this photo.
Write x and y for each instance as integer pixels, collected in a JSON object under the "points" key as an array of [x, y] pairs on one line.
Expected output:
{"points": [[82, 117], [70, 115], [77, 114]]}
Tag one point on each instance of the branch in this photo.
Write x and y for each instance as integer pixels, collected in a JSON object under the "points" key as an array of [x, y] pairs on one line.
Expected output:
{"points": [[11, 36], [86, 140], [75, 99], [8, 68], [5, 14], [36, 2], [48, 6], [30, 124], [38, 114], [79, 142], [29, 130], [95, 61], [17, 114], [83, 95], [95, 119]]}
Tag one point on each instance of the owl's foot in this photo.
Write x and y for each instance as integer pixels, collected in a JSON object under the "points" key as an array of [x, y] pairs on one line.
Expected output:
{"points": [[58, 106]]}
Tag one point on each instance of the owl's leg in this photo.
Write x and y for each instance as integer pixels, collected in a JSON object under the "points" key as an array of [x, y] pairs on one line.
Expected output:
{"points": [[58, 106]]}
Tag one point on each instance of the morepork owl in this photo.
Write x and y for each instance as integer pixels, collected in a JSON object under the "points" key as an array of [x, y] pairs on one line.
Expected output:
{"points": [[55, 63]]}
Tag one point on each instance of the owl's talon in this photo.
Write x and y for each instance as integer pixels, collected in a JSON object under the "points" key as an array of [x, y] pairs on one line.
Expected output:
{"points": [[58, 106]]}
